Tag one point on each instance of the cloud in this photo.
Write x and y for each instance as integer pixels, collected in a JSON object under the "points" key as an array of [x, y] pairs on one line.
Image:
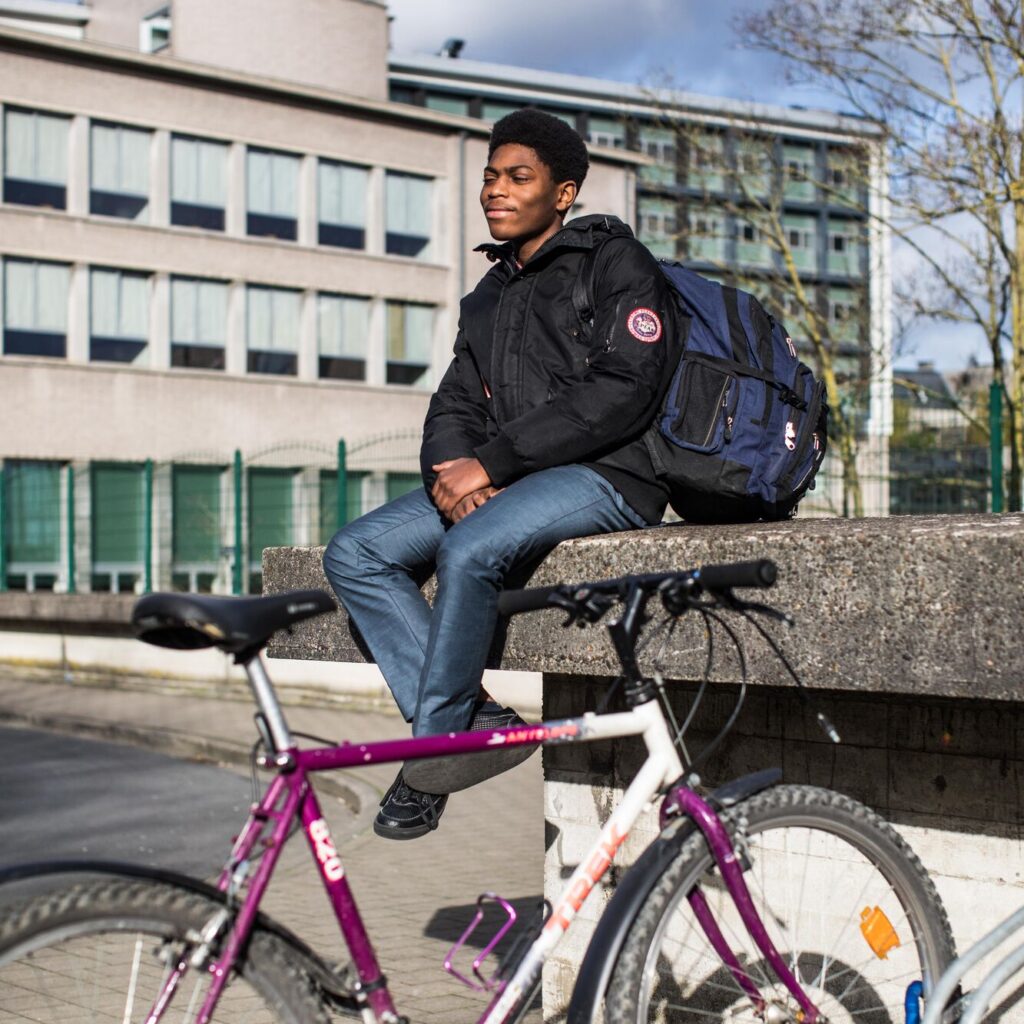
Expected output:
{"points": [[690, 43]]}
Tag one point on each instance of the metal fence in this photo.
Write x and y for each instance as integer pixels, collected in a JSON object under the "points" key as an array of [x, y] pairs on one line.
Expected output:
{"points": [[200, 522]]}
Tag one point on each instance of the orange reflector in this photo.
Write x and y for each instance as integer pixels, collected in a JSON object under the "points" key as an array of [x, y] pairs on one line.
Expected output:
{"points": [[878, 931]]}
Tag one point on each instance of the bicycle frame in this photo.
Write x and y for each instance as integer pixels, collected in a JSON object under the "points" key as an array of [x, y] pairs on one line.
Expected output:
{"points": [[290, 795]]}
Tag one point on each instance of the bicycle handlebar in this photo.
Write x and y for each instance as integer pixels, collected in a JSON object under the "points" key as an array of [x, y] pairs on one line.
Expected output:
{"points": [[715, 578], [761, 573]]}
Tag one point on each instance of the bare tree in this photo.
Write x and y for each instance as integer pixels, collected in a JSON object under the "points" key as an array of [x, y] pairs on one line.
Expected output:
{"points": [[942, 80], [738, 222]]}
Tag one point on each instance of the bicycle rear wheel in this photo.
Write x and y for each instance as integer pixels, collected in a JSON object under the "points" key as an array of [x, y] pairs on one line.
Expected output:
{"points": [[845, 900], [101, 951]]}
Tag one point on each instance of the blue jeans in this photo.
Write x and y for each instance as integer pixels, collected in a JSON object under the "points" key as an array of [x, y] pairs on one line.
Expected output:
{"points": [[433, 658]]}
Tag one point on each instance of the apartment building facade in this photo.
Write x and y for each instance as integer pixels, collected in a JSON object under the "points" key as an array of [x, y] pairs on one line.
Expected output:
{"points": [[717, 165], [231, 268]]}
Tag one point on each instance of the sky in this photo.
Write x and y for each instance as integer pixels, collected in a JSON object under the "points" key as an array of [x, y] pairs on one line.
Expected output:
{"points": [[689, 44]]}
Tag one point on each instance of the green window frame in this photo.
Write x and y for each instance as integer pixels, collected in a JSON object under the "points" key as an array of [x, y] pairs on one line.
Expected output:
{"points": [[196, 511], [32, 527], [271, 511], [118, 520]]}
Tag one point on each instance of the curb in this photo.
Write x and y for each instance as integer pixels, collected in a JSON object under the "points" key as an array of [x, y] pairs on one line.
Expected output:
{"points": [[359, 797]]}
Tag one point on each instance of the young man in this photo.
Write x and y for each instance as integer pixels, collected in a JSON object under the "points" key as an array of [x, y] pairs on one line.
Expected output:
{"points": [[533, 436]]}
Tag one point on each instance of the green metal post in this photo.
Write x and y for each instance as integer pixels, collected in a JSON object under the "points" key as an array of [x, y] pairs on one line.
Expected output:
{"points": [[3, 529], [71, 528], [341, 517], [147, 540], [995, 423], [239, 554]]}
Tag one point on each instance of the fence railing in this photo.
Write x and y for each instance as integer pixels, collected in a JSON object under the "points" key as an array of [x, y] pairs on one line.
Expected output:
{"points": [[200, 522]]}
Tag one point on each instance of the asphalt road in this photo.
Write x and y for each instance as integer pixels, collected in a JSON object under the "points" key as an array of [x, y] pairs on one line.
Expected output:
{"points": [[64, 797]]}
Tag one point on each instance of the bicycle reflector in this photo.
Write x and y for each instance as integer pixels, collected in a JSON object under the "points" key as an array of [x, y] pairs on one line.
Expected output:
{"points": [[878, 932]]}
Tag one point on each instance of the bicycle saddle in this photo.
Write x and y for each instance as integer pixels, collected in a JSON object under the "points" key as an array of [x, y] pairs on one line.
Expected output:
{"points": [[236, 625]]}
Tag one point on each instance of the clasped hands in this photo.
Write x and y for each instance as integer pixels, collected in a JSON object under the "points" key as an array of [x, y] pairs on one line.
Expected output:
{"points": [[462, 485]]}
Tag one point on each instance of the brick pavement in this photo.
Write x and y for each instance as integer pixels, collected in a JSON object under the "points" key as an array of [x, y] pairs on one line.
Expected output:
{"points": [[415, 896]]}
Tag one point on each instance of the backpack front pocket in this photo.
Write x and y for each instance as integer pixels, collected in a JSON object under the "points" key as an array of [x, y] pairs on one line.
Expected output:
{"points": [[700, 407]]}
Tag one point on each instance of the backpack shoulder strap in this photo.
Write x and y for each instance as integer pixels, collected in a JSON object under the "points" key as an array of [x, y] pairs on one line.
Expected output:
{"points": [[583, 288]]}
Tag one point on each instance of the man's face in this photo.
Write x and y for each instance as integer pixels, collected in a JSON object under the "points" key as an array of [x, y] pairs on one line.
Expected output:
{"points": [[520, 198]]}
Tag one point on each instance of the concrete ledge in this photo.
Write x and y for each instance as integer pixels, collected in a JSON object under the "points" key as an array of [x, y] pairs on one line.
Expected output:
{"points": [[96, 614], [914, 605]]}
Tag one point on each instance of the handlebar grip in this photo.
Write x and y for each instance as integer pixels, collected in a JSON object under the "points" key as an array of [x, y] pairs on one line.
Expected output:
{"points": [[761, 573], [512, 602]]}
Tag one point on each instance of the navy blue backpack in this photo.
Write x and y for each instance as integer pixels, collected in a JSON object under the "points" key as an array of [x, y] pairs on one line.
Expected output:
{"points": [[743, 426]]}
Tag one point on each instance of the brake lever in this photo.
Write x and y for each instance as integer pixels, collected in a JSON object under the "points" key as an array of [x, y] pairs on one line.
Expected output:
{"points": [[566, 604], [762, 609], [583, 609]]}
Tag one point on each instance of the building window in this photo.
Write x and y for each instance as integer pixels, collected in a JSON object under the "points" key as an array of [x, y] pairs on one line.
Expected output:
{"points": [[410, 343], [119, 165], [272, 330], [844, 315], [659, 143], [801, 234], [199, 172], [199, 315], [195, 526], [35, 158], [35, 308], [657, 219], [844, 248], [606, 131], [118, 316], [272, 183], [753, 163], [343, 325], [492, 110], [753, 245], [118, 525], [271, 517], [707, 162], [342, 204], [706, 239], [410, 215], [32, 531], [448, 104], [799, 172], [155, 31]]}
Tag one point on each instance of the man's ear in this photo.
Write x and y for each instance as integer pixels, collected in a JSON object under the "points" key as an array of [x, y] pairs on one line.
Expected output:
{"points": [[566, 196]]}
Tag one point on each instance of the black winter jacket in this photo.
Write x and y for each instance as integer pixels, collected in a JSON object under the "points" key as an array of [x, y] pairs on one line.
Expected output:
{"points": [[532, 387]]}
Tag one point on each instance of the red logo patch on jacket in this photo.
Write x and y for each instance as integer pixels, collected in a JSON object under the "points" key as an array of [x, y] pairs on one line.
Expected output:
{"points": [[644, 325]]}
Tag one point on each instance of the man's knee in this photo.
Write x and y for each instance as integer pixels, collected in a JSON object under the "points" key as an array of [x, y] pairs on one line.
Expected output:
{"points": [[341, 556], [466, 551]]}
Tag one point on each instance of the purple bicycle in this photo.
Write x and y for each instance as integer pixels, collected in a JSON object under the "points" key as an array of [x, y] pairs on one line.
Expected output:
{"points": [[758, 901]]}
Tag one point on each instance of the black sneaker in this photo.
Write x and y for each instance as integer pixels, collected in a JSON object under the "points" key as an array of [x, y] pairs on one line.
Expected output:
{"points": [[407, 813], [450, 774]]}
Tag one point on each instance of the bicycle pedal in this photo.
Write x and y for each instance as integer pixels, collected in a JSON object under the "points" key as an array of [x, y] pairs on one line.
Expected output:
{"points": [[482, 984]]}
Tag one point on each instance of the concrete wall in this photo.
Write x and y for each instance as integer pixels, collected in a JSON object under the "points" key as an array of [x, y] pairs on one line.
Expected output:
{"points": [[947, 773], [908, 638]]}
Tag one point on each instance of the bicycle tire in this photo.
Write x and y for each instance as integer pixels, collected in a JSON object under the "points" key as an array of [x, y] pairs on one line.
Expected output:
{"points": [[793, 840], [98, 951]]}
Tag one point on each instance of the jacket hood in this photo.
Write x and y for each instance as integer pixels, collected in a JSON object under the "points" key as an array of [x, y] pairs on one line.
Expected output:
{"points": [[580, 233]]}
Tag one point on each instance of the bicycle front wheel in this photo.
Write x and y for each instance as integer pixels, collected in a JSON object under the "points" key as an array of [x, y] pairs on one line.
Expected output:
{"points": [[102, 951], [845, 900]]}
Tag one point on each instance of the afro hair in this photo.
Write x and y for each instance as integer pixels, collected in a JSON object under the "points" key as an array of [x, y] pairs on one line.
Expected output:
{"points": [[558, 145]]}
